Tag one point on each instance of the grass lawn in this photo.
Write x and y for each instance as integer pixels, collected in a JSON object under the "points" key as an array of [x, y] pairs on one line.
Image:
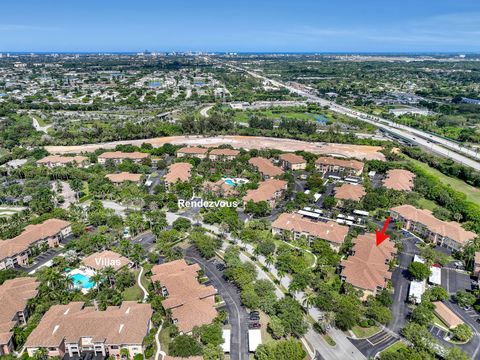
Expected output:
{"points": [[134, 292], [361, 332], [394, 348], [473, 194], [329, 340], [426, 204], [264, 319], [164, 338]]}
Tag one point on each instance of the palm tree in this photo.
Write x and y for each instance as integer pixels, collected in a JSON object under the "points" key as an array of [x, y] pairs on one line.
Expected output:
{"points": [[309, 300], [96, 280], [269, 260]]}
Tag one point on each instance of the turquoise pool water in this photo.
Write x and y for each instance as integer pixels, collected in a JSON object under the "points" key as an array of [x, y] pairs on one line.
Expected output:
{"points": [[82, 281], [229, 182]]}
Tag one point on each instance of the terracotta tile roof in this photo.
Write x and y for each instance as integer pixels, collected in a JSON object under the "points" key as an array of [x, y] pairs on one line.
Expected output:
{"points": [[224, 152], [136, 155], [266, 190], [62, 159], [368, 267], [124, 324], [30, 235], [329, 231], [447, 315], [123, 176], [178, 172], [292, 158], [399, 179], [14, 295], [452, 229], [350, 192], [101, 260], [192, 150], [349, 164], [265, 166], [191, 303], [220, 187]]}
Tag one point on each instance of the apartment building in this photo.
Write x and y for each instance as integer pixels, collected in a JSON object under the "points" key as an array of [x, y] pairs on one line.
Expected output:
{"points": [[449, 234], [350, 192], [119, 178], [14, 295], [16, 251], [119, 156], [101, 260], [53, 161], [223, 154], [399, 179], [265, 167], [178, 172], [296, 225], [347, 167], [190, 303], [193, 151], [74, 329], [368, 267], [219, 188], [293, 162], [270, 191]]}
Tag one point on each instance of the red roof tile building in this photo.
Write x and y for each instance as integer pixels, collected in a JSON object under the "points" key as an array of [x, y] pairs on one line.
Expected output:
{"points": [[330, 164], [368, 268], [265, 167], [74, 329], [422, 222], [14, 296], [122, 177], [16, 251], [192, 151], [223, 154], [350, 192], [53, 161], [399, 179], [270, 191], [190, 303], [118, 157], [293, 162], [178, 172], [298, 226]]}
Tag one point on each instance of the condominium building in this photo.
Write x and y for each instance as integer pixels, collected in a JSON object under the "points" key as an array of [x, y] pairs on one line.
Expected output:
{"points": [[122, 177], [270, 191], [293, 162], [449, 234], [350, 192], [14, 296], [193, 151], [298, 226], [190, 303], [223, 154], [74, 329], [368, 267], [178, 172], [399, 179], [16, 251], [330, 164], [265, 167], [101, 260], [119, 156], [53, 161]]}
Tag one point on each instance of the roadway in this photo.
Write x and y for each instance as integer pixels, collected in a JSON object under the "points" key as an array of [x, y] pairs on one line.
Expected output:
{"points": [[433, 143]]}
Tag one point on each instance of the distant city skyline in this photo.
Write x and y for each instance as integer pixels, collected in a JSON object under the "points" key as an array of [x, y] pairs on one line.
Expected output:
{"points": [[370, 26]]}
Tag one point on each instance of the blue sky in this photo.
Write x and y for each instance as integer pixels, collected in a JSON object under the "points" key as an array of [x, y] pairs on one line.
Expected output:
{"points": [[247, 25]]}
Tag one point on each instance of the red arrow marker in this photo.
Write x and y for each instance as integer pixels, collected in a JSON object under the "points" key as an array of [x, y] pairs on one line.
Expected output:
{"points": [[381, 236]]}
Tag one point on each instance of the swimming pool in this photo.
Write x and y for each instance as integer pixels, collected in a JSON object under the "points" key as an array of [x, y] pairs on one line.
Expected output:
{"points": [[81, 281], [229, 182]]}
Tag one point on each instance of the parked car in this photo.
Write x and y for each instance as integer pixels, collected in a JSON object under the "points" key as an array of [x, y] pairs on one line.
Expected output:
{"points": [[254, 326]]}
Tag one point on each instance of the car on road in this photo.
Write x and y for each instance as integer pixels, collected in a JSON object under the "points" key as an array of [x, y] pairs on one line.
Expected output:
{"points": [[254, 325]]}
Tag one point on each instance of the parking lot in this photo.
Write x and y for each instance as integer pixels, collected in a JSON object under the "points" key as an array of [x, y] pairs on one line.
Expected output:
{"points": [[375, 343]]}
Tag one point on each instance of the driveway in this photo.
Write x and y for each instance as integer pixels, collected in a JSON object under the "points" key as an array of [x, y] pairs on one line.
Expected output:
{"points": [[401, 284], [237, 315]]}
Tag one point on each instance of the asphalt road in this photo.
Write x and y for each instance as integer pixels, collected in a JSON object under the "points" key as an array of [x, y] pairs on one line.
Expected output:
{"points": [[237, 315], [146, 240]]}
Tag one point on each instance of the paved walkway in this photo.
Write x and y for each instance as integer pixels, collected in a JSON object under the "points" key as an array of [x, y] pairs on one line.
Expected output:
{"points": [[159, 351], [139, 280]]}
